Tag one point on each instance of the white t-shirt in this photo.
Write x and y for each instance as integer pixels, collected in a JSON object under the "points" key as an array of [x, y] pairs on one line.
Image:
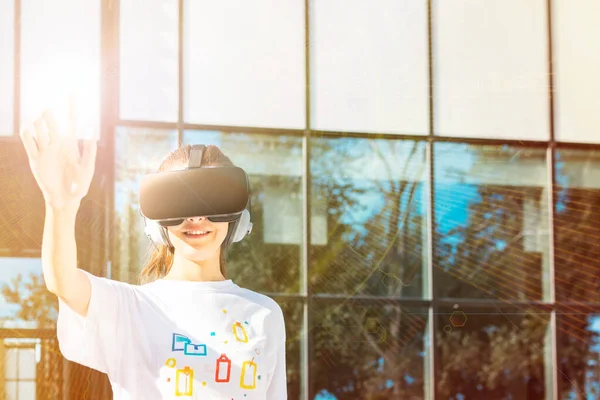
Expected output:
{"points": [[179, 340]]}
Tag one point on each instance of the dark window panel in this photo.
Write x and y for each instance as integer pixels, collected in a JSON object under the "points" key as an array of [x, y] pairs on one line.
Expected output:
{"points": [[370, 196], [577, 226], [491, 222], [368, 351], [578, 339], [494, 353], [293, 312]]}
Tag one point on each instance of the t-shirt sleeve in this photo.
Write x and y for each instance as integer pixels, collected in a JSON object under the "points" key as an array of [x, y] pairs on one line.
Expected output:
{"points": [[277, 389], [95, 340]]}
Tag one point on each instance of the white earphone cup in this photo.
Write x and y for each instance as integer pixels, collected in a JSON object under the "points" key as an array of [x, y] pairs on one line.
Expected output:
{"points": [[155, 233], [243, 227]]}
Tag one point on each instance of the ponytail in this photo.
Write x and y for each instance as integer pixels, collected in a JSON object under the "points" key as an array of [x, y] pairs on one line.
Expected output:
{"points": [[158, 266]]}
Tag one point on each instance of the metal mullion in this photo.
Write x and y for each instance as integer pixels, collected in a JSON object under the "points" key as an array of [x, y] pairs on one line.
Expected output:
{"points": [[305, 265], [146, 124], [369, 135], [202, 127], [284, 296], [180, 97], [110, 65], [450, 139], [593, 308], [577, 146], [552, 386], [457, 139], [551, 353], [372, 301], [430, 390], [485, 302], [432, 325], [245, 129], [366, 299], [18, 374], [17, 71], [307, 349], [319, 134]]}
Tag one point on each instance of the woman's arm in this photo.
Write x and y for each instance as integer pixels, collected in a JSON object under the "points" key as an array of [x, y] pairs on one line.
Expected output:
{"points": [[64, 177], [59, 259]]}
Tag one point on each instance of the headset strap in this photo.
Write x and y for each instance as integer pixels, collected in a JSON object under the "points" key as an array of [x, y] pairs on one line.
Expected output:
{"points": [[196, 152]]}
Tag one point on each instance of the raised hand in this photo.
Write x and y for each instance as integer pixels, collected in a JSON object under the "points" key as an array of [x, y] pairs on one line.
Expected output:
{"points": [[62, 173]]}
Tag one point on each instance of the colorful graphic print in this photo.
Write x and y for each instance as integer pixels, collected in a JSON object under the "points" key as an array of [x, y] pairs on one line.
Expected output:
{"points": [[183, 343], [223, 369], [183, 381], [240, 333], [248, 375], [184, 378]]}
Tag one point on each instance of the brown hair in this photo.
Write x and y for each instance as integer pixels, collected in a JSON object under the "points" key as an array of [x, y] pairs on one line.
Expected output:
{"points": [[161, 259]]}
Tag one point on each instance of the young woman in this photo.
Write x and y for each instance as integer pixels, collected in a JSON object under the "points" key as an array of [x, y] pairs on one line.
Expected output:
{"points": [[187, 331]]}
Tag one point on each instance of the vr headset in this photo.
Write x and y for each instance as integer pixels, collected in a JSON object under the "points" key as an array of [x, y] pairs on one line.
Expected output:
{"points": [[221, 194]]}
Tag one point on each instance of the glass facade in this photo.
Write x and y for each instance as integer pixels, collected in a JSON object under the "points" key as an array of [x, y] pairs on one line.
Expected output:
{"points": [[425, 183], [491, 217], [371, 196]]}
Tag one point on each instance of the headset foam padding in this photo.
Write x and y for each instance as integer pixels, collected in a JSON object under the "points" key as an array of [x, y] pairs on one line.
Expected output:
{"points": [[240, 228]]}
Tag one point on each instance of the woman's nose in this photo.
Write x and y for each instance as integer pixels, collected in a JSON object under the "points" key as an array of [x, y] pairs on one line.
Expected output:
{"points": [[196, 218]]}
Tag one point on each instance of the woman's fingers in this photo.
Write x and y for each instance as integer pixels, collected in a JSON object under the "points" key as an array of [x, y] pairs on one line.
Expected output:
{"points": [[41, 134], [72, 118], [29, 143], [52, 126]]}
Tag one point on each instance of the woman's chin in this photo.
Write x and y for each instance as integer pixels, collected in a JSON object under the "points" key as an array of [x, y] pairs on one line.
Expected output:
{"points": [[198, 253]]}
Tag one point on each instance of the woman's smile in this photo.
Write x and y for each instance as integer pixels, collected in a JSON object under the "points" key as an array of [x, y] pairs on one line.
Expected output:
{"points": [[197, 234]]}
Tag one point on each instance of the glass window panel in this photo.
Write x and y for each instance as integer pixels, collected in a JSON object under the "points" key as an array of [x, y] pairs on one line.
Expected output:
{"points": [[368, 351], [7, 73], [27, 391], [51, 374], [372, 195], [361, 80], [491, 218], [577, 226], [22, 202], [245, 68], [576, 54], [269, 258], [10, 363], [11, 391], [578, 336], [138, 151], [60, 56], [25, 301], [491, 69], [27, 363], [149, 60], [497, 353]]}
